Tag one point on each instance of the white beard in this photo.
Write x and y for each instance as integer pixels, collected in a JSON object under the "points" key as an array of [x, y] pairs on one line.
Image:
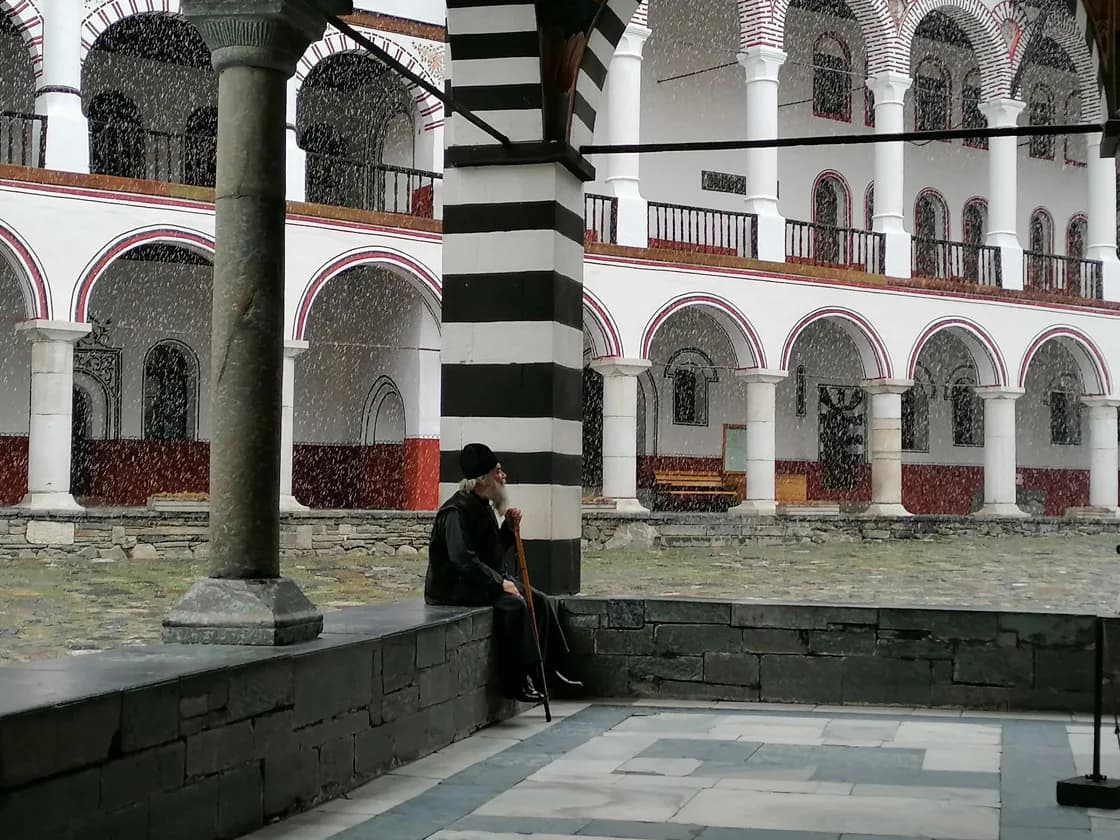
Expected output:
{"points": [[499, 497]]}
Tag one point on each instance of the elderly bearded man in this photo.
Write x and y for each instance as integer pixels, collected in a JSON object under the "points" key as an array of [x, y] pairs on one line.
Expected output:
{"points": [[467, 567]]}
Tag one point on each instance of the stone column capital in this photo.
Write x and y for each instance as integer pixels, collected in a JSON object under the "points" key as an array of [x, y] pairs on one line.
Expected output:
{"points": [[272, 34], [1002, 113], [889, 87], [618, 366], [43, 330], [633, 40], [292, 348], [765, 375], [762, 63], [887, 386], [998, 392], [1100, 401]]}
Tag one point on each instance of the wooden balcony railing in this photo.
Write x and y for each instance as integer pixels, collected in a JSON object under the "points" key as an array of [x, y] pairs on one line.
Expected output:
{"points": [[960, 262], [362, 185], [23, 139], [701, 230], [815, 244], [600, 214], [1064, 275]]}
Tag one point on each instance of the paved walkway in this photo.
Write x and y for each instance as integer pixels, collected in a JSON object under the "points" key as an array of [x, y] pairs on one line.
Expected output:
{"points": [[727, 771]]}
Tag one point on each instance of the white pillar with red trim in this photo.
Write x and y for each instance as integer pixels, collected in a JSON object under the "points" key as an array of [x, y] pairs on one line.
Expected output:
{"points": [[885, 445], [52, 402], [888, 214], [296, 162], [1003, 189], [999, 451], [420, 391], [1101, 235], [620, 430], [762, 65], [761, 441], [292, 350], [58, 92]]}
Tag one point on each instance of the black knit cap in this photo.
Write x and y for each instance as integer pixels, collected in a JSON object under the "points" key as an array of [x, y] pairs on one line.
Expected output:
{"points": [[476, 460]]}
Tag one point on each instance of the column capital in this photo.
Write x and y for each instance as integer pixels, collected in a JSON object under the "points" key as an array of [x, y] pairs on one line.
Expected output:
{"points": [[272, 34], [762, 62], [43, 330], [889, 87], [766, 375], [887, 386], [1100, 401], [1002, 112], [633, 40], [292, 348], [618, 366], [998, 392]]}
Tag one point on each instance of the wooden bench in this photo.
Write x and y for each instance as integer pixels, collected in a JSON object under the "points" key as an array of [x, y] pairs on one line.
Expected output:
{"points": [[791, 488], [697, 485]]}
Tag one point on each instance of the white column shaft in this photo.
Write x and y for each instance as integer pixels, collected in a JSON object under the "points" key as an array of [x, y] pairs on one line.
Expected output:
{"points": [[623, 115], [889, 216], [999, 452], [292, 349], [620, 430], [58, 95], [1101, 244], [1103, 462], [1003, 201], [296, 160], [762, 65], [761, 445]]}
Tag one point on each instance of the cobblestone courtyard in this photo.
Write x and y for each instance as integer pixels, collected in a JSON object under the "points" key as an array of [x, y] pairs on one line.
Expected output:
{"points": [[52, 608]]}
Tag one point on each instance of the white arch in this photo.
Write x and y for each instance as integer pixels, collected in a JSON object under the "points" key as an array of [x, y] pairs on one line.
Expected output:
{"points": [[740, 332], [105, 14], [1091, 363]]}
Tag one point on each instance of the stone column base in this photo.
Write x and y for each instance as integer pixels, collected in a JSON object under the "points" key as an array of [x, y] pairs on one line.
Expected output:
{"points": [[1093, 512], [1002, 509], [629, 506], [755, 507], [290, 504], [50, 501], [218, 611], [886, 509]]}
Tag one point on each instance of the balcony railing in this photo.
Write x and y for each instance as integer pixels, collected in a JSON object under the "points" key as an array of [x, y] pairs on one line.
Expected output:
{"points": [[815, 244], [700, 230], [131, 151], [600, 215], [961, 262], [362, 185], [23, 139], [1063, 275]]}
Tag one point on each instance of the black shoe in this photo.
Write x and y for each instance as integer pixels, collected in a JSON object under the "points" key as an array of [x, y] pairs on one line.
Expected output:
{"points": [[527, 692]]}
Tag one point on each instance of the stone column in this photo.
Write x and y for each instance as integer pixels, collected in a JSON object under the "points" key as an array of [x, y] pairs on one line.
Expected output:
{"points": [[58, 96], [620, 430], [999, 451], [761, 442], [52, 405], [292, 350], [1103, 463], [623, 121], [1101, 172], [297, 157], [245, 601], [885, 443], [890, 165], [762, 65], [1003, 196]]}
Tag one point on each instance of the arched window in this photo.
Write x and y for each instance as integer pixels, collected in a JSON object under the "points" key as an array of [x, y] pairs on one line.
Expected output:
{"points": [[830, 214], [971, 117], [1064, 400], [974, 227], [383, 420], [170, 392], [1076, 234], [931, 96], [931, 231], [968, 408], [1042, 113], [117, 139], [868, 107], [691, 372], [832, 90], [326, 175], [799, 391], [1040, 268], [1074, 143], [200, 157], [869, 208], [915, 411]]}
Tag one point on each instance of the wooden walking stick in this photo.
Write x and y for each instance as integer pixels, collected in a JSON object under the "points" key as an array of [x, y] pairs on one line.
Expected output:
{"points": [[532, 616]]}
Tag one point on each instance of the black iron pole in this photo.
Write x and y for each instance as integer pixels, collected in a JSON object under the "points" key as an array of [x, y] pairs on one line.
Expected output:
{"points": [[1098, 698]]}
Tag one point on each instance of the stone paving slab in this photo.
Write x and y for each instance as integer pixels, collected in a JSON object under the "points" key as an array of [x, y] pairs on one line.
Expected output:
{"points": [[638, 771]]}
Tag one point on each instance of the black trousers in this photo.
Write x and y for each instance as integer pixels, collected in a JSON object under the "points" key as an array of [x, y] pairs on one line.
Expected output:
{"points": [[517, 652]]}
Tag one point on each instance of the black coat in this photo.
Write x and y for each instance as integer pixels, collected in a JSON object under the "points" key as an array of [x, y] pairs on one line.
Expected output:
{"points": [[466, 554]]}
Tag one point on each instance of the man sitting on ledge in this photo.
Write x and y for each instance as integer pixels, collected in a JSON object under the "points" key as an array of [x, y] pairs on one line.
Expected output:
{"points": [[467, 568]]}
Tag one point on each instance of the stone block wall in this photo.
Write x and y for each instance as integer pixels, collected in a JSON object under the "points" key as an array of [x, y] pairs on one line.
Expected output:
{"points": [[254, 734], [821, 654]]}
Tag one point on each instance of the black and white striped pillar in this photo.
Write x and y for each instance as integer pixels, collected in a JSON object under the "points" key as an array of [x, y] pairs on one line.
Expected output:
{"points": [[512, 352]]}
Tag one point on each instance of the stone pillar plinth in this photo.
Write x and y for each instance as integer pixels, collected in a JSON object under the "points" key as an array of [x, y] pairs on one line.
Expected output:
{"points": [[1103, 463], [1101, 244], [761, 441], [58, 93], [999, 451], [297, 157], [292, 350], [620, 430], [52, 405], [890, 166], [885, 442], [762, 65], [623, 97], [255, 47], [1003, 189]]}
